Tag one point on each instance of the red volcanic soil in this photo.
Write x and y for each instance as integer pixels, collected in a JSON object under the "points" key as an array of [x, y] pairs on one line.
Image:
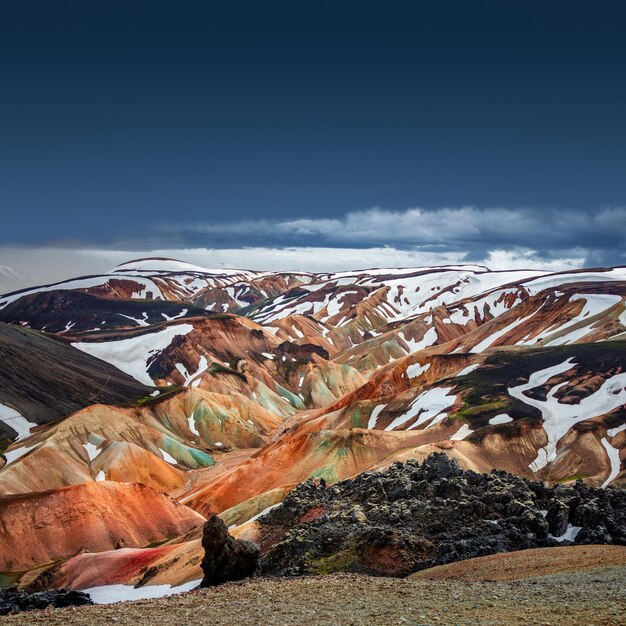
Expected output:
{"points": [[41, 527], [173, 563]]}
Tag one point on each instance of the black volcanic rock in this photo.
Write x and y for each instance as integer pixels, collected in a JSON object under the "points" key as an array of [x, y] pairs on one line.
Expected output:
{"points": [[226, 558], [13, 601], [416, 516]]}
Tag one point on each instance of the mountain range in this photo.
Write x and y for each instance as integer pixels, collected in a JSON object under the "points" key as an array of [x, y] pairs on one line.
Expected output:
{"points": [[133, 405]]}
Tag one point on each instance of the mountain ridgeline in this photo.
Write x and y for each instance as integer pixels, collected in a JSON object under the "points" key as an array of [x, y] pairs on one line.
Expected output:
{"points": [[194, 392]]}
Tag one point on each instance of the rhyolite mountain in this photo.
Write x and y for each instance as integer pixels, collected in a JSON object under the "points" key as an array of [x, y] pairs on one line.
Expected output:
{"points": [[185, 391]]}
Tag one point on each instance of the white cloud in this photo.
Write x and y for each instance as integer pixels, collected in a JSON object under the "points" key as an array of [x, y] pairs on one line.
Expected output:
{"points": [[528, 259]]}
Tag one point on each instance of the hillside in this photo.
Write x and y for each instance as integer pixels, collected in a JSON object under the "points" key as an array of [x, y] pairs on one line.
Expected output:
{"points": [[225, 389], [525, 564], [43, 378]]}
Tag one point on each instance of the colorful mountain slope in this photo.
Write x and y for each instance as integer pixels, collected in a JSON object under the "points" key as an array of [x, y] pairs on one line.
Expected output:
{"points": [[265, 380], [40, 528]]}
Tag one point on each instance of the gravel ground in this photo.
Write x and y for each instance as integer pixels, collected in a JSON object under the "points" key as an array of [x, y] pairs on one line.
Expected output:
{"points": [[590, 598]]}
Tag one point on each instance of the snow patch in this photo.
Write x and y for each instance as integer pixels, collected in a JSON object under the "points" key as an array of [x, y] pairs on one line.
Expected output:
{"points": [[168, 457], [491, 339], [143, 286], [595, 304], [413, 371], [469, 369], [536, 285], [140, 321], [193, 379], [462, 433], [109, 594], [569, 535], [192, 423], [614, 460], [135, 355], [92, 451], [13, 455], [428, 405], [559, 418], [174, 317], [16, 421], [429, 338], [503, 418], [614, 431], [374, 416]]}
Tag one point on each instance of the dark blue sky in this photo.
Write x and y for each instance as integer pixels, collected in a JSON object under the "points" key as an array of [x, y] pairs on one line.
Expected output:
{"points": [[119, 117]]}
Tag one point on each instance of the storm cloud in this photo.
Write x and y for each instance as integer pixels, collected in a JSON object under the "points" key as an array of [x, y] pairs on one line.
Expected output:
{"points": [[499, 238], [597, 236]]}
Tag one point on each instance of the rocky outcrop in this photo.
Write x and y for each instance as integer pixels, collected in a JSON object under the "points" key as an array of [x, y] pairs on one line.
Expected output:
{"points": [[13, 601], [416, 516], [226, 558]]}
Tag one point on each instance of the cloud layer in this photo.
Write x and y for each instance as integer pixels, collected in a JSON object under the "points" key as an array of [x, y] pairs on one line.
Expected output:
{"points": [[556, 233], [499, 238]]}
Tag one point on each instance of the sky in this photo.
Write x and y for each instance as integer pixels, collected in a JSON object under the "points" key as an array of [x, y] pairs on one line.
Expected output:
{"points": [[320, 135]]}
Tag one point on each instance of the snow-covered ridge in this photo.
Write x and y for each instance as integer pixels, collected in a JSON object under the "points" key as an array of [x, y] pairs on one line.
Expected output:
{"points": [[145, 286], [167, 266], [409, 292], [552, 281]]}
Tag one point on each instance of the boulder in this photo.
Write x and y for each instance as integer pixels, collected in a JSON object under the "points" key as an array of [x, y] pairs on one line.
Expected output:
{"points": [[558, 518], [226, 558]]}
